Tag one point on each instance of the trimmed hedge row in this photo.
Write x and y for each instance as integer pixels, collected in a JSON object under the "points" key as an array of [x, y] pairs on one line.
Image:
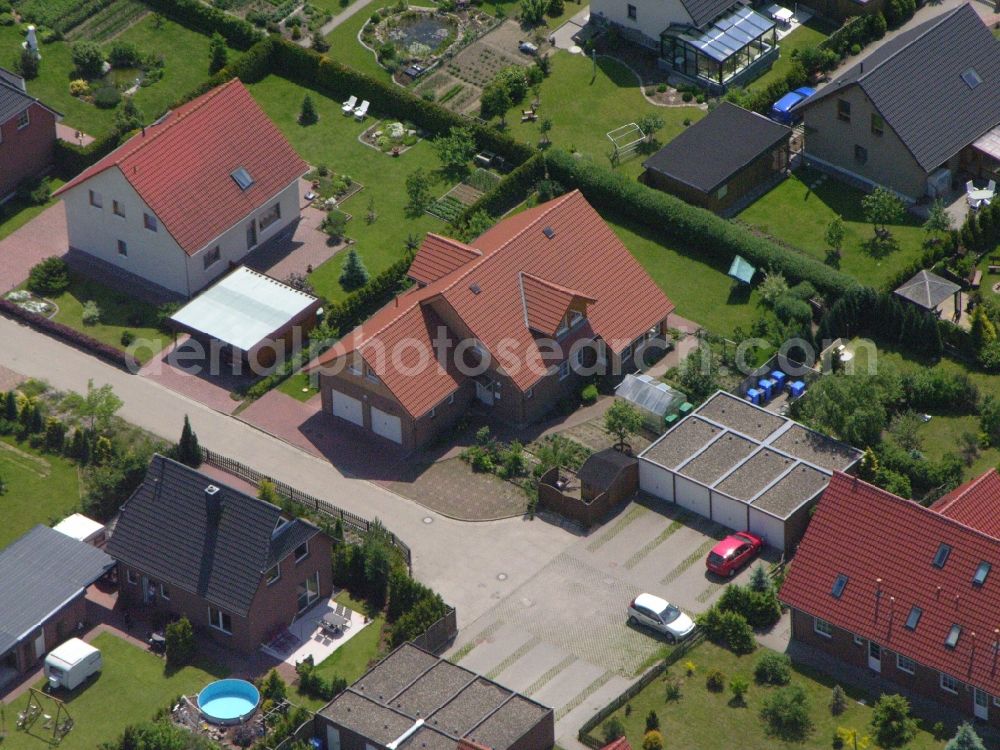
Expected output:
{"points": [[205, 19], [71, 159], [69, 335], [860, 30], [695, 230], [308, 68]]}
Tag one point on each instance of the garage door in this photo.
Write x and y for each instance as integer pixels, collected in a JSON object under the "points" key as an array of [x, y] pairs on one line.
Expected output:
{"points": [[347, 408], [692, 496], [730, 513], [387, 425], [656, 480]]}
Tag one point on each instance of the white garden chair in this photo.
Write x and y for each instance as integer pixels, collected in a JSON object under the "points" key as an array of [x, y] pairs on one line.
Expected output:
{"points": [[349, 105], [361, 112]]}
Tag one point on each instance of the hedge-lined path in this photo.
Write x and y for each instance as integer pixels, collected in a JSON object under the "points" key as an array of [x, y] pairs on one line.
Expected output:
{"points": [[40, 238], [346, 13]]}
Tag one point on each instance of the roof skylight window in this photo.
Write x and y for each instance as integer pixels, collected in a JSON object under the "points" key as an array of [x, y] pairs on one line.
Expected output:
{"points": [[971, 78], [242, 178], [838, 586], [941, 557], [913, 618], [981, 572], [952, 640]]}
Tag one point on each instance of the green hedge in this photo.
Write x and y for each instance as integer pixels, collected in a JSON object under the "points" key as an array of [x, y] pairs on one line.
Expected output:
{"points": [[205, 19], [71, 159], [693, 230], [860, 30], [510, 191], [308, 68]]}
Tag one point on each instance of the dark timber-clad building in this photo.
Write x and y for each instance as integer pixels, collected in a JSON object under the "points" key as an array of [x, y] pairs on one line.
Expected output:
{"points": [[720, 159], [413, 700]]}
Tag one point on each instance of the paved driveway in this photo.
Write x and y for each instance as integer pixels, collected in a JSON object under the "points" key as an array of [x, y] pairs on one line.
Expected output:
{"points": [[43, 236], [561, 636]]}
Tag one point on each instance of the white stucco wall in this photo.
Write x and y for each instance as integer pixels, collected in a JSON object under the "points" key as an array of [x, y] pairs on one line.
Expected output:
{"points": [[693, 496], [652, 16], [768, 527], [155, 255], [152, 255], [729, 512], [656, 480]]}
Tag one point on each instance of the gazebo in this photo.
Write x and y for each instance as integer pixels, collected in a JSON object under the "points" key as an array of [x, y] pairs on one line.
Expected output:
{"points": [[932, 293]]}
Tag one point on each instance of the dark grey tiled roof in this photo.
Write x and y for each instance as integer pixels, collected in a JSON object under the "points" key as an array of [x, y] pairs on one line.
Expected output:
{"points": [[40, 572], [601, 468], [927, 289], [412, 685], [915, 82], [166, 531], [703, 11], [13, 98], [707, 154]]}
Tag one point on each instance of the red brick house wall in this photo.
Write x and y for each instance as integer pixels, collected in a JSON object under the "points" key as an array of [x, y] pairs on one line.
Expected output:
{"points": [[273, 606], [28, 151], [58, 628], [924, 681]]}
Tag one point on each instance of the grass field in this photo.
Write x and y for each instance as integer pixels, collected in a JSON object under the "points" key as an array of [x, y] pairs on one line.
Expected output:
{"points": [[333, 141], [584, 107], [799, 210], [185, 54], [701, 292], [119, 312], [810, 34], [293, 387], [130, 688], [40, 489], [15, 213], [703, 719]]}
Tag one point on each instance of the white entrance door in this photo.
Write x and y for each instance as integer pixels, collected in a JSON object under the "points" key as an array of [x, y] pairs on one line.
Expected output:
{"points": [[982, 706], [387, 425], [874, 656], [40, 645], [347, 408]]}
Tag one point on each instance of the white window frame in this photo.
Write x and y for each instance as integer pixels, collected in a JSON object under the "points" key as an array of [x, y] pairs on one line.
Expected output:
{"points": [[996, 700], [451, 398], [626, 352], [273, 579], [632, 12], [432, 413], [529, 393], [908, 669], [96, 199], [131, 577], [219, 624], [149, 222], [859, 641], [305, 582], [212, 257], [941, 681], [722, 192], [269, 216], [564, 369], [575, 317], [122, 248], [164, 592], [24, 119], [300, 558], [354, 370], [819, 623], [579, 357], [117, 210]]}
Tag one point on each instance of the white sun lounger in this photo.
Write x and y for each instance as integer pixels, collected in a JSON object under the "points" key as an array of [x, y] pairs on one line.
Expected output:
{"points": [[349, 105], [361, 112]]}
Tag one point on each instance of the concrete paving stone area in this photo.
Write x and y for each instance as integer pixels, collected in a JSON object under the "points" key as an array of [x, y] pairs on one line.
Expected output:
{"points": [[561, 636]]}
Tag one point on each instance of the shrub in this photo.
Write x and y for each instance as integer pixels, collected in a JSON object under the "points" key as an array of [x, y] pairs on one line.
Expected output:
{"points": [[737, 633], [652, 721], [91, 313], [107, 97], [891, 723], [786, 713], [589, 394], [672, 690], [34, 190], [272, 687], [716, 681], [613, 729], [690, 668], [127, 338], [79, 87], [6, 19], [87, 59], [773, 669], [180, 644], [739, 686], [652, 740], [124, 55], [49, 278], [838, 700]]}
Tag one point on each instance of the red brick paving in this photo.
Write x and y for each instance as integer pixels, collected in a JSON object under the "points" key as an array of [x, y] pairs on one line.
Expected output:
{"points": [[213, 392], [72, 135], [40, 238]]}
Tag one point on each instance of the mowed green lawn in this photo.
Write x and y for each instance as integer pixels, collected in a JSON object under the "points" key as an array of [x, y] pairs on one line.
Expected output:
{"points": [[40, 489], [15, 213], [701, 719], [810, 34], [799, 210], [333, 141], [130, 688], [584, 107], [701, 292], [185, 54]]}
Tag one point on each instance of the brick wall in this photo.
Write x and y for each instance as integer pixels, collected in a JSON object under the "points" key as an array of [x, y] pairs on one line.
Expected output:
{"points": [[28, 151], [58, 628]]}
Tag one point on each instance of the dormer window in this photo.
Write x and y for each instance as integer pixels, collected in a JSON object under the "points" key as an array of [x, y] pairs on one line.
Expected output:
{"points": [[941, 557], [952, 640], [575, 316], [981, 572], [273, 574], [279, 526]]}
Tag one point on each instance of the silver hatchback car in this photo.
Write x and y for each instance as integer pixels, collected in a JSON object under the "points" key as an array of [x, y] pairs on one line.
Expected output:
{"points": [[661, 616]]}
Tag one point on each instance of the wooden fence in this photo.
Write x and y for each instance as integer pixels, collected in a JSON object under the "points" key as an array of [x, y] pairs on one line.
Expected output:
{"points": [[439, 634], [351, 521]]}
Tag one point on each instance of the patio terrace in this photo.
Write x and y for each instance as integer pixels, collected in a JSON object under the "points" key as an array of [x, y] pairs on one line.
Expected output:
{"points": [[308, 636]]}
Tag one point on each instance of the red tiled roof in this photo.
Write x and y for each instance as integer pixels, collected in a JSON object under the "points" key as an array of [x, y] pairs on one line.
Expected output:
{"points": [[485, 293], [620, 744], [438, 257], [975, 503], [866, 533], [182, 167], [545, 303]]}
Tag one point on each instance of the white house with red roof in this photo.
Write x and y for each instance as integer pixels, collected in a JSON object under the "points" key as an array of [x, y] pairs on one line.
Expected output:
{"points": [[513, 322], [188, 197], [905, 591]]}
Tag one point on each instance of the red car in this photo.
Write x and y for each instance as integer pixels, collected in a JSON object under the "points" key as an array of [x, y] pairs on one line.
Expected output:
{"points": [[733, 552]]}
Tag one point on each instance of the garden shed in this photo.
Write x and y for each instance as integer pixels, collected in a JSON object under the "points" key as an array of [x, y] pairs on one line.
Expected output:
{"points": [[256, 318], [745, 468], [654, 399], [721, 159]]}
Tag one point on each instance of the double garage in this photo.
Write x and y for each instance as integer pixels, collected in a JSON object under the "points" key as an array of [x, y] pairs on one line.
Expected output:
{"points": [[382, 423], [745, 468]]}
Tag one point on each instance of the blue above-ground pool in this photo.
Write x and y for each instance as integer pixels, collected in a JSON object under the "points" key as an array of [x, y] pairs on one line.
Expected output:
{"points": [[228, 701]]}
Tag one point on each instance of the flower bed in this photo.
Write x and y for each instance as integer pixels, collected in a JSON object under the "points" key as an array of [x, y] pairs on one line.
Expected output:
{"points": [[393, 138], [32, 304]]}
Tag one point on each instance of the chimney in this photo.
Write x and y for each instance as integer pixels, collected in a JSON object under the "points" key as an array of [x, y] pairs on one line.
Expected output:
{"points": [[213, 503]]}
